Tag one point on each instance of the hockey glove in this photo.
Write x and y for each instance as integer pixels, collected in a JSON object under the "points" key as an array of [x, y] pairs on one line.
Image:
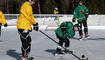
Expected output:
{"points": [[30, 30], [0, 24], [73, 20], [86, 16], [5, 25], [66, 38], [35, 26]]}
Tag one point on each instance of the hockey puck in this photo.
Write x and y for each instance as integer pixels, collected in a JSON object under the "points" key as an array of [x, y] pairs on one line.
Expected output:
{"points": [[83, 56]]}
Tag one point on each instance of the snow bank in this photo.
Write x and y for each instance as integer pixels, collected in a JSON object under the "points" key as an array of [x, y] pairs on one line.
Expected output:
{"points": [[94, 21]]}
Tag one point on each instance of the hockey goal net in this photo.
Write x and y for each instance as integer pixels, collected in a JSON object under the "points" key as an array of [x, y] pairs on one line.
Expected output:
{"points": [[50, 21]]}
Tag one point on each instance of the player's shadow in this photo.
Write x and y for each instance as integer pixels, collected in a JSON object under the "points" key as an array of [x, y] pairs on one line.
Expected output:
{"points": [[75, 38], [14, 54], [97, 39], [52, 51], [1, 41]]}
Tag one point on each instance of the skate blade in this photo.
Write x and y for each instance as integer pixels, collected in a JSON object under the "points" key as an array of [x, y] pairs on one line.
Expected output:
{"points": [[56, 55], [31, 58], [59, 55], [80, 39], [86, 38], [69, 52], [24, 59]]}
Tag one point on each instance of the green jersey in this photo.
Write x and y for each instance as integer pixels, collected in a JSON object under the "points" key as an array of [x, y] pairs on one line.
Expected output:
{"points": [[69, 32], [80, 12]]}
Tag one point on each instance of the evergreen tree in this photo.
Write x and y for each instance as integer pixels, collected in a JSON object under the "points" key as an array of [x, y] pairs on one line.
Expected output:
{"points": [[47, 6]]}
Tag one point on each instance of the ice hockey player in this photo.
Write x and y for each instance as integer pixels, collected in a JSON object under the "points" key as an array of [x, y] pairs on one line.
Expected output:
{"points": [[2, 21], [81, 14], [25, 20], [64, 33]]}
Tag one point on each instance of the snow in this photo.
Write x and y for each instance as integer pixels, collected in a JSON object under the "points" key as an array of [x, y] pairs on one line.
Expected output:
{"points": [[94, 21], [43, 48], [12, 22]]}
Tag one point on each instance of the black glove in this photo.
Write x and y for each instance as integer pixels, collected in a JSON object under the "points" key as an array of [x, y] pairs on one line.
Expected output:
{"points": [[30, 30], [66, 38], [35, 26], [86, 16], [0, 24], [73, 20], [5, 25]]}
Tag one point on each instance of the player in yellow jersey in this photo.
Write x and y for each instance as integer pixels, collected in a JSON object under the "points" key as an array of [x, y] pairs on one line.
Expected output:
{"points": [[25, 20], [2, 21]]}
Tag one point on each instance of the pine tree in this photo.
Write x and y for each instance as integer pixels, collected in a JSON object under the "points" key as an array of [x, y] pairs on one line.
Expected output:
{"points": [[47, 6]]}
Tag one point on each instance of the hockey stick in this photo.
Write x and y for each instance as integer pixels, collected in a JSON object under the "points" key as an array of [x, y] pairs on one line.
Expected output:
{"points": [[48, 37], [62, 47]]}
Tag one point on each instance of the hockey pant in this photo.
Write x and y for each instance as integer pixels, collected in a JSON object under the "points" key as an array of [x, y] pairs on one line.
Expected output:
{"points": [[26, 42], [84, 23], [62, 41], [0, 29]]}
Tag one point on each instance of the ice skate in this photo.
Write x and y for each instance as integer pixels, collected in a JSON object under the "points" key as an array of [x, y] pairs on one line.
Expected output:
{"points": [[58, 52], [86, 36], [24, 58], [80, 39]]}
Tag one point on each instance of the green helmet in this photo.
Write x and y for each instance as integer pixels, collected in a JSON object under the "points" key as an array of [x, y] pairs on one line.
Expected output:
{"points": [[56, 8]]}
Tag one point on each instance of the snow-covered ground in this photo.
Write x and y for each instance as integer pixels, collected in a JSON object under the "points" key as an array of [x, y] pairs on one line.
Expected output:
{"points": [[43, 48]]}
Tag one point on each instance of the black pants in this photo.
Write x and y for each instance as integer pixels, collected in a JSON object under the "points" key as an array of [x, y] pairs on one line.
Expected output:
{"points": [[62, 41], [26, 42], [0, 30], [84, 23]]}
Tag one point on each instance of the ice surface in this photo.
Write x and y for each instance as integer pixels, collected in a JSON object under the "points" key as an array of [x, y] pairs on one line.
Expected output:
{"points": [[43, 48]]}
